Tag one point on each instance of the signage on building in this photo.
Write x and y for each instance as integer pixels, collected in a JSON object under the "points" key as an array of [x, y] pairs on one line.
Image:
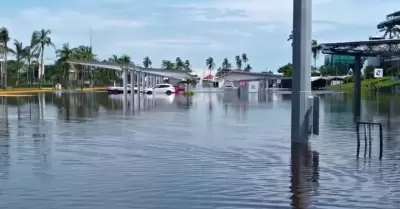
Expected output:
{"points": [[378, 73]]}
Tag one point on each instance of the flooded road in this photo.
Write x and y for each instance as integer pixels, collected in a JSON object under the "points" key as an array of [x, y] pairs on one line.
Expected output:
{"points": [[80, 150]]}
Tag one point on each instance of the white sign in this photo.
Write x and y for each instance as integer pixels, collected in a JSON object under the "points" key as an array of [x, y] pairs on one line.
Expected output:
{"points": [[378, 73]]}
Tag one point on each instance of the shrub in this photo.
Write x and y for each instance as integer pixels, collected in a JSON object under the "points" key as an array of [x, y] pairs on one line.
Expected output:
{"points": [[188, 93]]}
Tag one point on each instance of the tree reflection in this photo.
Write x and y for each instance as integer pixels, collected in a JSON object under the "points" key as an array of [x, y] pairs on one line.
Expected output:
{"points": [[4, 140]]}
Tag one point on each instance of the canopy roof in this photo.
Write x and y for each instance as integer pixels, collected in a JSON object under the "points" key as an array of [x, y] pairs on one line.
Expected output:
{"points": [[247, 76], [362, 48], [115, 66]]}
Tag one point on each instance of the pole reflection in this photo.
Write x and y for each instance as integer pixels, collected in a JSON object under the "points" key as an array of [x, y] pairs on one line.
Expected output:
{"points": [[304, 174]]}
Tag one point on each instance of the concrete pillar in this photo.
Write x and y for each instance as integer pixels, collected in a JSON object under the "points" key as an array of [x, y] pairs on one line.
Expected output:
{"points": [[139, 77], [357, 87], [132, 91], [267, 83], [301, 84], [125, 84], [143, 81]]}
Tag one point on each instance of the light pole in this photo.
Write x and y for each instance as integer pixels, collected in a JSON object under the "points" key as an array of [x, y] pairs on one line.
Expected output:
{"points": [[301, 83]]}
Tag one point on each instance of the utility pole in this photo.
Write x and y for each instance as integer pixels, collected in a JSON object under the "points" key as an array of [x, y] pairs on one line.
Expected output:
{"points": [[301, 83]]}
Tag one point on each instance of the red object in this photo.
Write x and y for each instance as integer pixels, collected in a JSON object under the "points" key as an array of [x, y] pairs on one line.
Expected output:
{"points": [[208, 77], [242, 83], [179, 88]]}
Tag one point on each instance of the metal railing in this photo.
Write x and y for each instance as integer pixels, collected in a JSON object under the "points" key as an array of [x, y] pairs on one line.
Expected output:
{"points": [[368, 127]]}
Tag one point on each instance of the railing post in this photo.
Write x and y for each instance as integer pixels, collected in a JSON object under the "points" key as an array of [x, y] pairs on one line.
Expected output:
{"points": [[380, 141], [358, 138], [316, 115]]}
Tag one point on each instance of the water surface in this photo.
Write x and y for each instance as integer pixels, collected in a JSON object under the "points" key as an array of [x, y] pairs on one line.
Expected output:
{"points": [[81, 150]]}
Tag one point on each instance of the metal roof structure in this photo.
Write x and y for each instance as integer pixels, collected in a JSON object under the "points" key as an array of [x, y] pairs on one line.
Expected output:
{"points": [[390, 22], [328, 78], [247, 76], [118, 67], [362, 48]]}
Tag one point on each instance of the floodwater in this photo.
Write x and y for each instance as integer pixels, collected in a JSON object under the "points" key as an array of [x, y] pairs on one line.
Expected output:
{"points": [[81, 150]]}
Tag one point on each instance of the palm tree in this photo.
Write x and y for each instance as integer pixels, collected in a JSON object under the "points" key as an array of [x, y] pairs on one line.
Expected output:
{"points": [[124, 59], [41, 39], [248, 68], [210, 64], [30, 53], [114, 58], [179, 65], [316, 49], [245, 59], [64, 54], [225, 64], [19, 56], [238, 62], [4, 39], [167, 64], [147, 62], [188, 66]]}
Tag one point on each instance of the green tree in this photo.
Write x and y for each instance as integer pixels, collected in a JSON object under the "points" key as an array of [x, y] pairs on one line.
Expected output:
{"points": [[19, 56], [42, 39], [179, 65], [64, 54], [167, 64], [147, 62], [187, 66], [248, 68], [4, 39], [210, 64], [245, 59], [225, 64], [369, 72], [286, 70], [238, 62]]}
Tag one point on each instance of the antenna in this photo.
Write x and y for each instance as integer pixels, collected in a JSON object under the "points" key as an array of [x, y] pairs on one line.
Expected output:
{"points": [[91, 39]]}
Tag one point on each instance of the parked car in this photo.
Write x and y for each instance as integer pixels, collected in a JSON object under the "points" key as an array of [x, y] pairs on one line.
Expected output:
{"points": [[161, 88]]}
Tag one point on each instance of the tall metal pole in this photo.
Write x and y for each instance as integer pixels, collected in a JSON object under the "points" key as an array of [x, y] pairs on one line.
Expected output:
{"points": [[301, 83]]}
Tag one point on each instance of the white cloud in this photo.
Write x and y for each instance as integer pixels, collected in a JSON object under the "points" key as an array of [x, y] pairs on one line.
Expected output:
{"points": [[262, 11], [231, 32], [182, 42]]}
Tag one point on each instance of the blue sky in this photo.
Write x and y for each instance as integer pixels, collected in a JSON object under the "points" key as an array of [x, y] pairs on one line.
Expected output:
{"points": [[191, 29]]}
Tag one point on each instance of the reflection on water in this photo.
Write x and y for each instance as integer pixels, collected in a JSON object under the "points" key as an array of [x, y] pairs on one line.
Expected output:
{"points": [[213, 150]]}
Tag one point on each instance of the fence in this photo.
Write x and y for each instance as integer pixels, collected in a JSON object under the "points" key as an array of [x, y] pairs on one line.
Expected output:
{"points": [[368, 128]]}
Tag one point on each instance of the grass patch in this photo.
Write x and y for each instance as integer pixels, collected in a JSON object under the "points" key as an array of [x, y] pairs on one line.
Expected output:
{"points": [[366, 84], [188, 93]]}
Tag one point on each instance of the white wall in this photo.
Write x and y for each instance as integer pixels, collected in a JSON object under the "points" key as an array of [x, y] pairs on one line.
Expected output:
{"points": [[254, 86]]}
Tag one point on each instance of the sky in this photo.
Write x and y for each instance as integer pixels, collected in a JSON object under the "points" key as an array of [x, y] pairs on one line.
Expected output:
{"points": [[191, 29]]}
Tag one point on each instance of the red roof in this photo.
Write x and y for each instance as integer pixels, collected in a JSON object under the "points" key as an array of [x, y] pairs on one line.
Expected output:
{"points": [[208, 77]]}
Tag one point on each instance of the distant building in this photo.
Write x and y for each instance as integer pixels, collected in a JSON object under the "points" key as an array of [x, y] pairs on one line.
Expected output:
{"points": [[341, 63]]}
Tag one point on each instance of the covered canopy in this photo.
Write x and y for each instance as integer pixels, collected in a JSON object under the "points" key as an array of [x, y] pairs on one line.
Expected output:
{"points": [[115, 66], [362, 48]]}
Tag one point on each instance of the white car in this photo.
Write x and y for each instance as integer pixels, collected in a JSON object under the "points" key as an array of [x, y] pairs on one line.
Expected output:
{"points": [[161, 88]]}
